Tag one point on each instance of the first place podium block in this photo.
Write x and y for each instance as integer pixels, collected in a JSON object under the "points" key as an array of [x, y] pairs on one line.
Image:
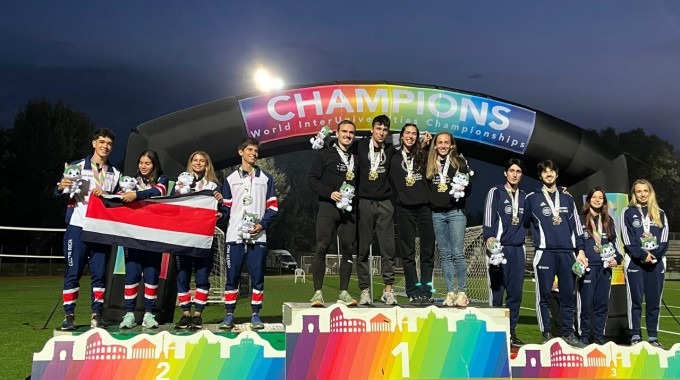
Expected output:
{"points": [[338, 342]]}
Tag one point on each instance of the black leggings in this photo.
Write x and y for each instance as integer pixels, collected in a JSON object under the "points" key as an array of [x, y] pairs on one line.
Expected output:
{"points": [[328, 219]]}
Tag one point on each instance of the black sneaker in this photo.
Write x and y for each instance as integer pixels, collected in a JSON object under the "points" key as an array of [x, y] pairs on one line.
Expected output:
{"points": [[69, 323], [634, 341], [573, 341], [655, 343], [196, 322], [515, 341], [415, 301], [96, 321], [546, 337], [184, 322]]}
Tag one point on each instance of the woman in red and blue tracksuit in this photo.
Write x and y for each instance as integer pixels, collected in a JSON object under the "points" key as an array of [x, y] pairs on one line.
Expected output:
{"points": [[644, 230], [594, 286], [150, 183]]}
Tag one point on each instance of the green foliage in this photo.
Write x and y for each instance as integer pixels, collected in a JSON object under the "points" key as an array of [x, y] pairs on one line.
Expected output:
{"points": [[654, 159]]}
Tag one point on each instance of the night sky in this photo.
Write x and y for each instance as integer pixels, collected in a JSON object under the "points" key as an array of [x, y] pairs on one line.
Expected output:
{"points": [[594, 64]]}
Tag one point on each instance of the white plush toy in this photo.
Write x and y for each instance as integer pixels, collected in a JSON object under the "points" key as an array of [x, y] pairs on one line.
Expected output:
{"points": [[496, 249], [247, 223], [127, 184], [347, 192], [649, 243], [579, 269], [607, 251], [317, 141], [186, 179], [73, 173], [458, 184]]}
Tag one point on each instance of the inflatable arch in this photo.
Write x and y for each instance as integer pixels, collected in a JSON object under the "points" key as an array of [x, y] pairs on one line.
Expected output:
{"points": [[486, 128]]}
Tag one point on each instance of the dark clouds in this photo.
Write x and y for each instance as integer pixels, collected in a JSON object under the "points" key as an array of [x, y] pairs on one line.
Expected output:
{"points": [[595, 64]]}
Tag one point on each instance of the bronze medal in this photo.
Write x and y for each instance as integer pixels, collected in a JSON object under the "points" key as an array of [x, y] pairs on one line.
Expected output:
{"points": [[372, 175], [557, 220], [515, 220]]}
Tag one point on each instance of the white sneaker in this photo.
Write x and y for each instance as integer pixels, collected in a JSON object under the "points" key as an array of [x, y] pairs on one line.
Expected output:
{"points": [[128, 321], [365, 298], [450, 298], [346, 299], [388, 297], [317, 300], [461, 300], [149, 321]]}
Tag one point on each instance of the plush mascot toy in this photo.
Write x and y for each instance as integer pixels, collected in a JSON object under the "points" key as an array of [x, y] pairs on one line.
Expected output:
{"points": [[347, 192], [186, 179], [496, 250], [607, 251], [73, 173], [649, 243], [247, 223], [579, 269], [317, 141], [458, 184], [127, 184]]}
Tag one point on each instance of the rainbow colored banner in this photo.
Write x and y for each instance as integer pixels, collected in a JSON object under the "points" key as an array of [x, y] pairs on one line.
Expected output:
{"points": [[393, 343], [305, 111], [556, 359], [204, 355]]}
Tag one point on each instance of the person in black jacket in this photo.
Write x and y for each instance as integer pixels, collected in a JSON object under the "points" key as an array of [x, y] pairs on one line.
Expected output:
{"points": [[375, 214], [332, 167], [414, 216]]}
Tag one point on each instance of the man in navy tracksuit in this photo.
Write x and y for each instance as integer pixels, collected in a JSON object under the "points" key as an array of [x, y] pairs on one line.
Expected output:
{"points": [[643, 222], [557, 232], [503, 214], [98, 177]]}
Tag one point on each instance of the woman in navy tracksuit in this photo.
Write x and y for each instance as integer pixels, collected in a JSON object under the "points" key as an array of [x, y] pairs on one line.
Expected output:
{"points": [[644, 229], [150, 183], [594, 286]]}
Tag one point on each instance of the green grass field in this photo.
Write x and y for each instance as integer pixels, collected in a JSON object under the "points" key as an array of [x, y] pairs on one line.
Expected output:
{"points": [[32, 299]]}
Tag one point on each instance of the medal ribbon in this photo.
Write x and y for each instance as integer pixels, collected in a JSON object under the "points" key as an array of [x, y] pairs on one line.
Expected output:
{"points": [[597, 232], [515, 200], [408, 162], [349, 163], [142, 183], [375, 157], [443, 170], [247, 186], [99, 174], [555, 207], [646, 222]]}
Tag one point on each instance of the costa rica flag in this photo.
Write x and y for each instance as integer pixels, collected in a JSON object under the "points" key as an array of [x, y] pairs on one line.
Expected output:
{"points": [[178, 224]]}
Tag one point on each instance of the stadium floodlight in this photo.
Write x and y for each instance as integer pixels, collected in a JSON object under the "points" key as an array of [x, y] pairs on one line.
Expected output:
{"points": [[265, 81]]}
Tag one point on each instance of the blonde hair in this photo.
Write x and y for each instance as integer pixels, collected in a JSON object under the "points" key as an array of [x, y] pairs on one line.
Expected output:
{"points": [[652, 206], [456, 161], [209, 174]]}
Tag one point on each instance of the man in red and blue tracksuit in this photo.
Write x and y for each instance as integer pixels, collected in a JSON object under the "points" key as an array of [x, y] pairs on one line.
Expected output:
{"points": [[247, 191], [503, 223], [98, 177], [557, 233]]}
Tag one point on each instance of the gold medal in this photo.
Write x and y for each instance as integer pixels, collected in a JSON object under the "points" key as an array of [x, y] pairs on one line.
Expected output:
{"points": [[557, 220], [442, 187], [349, 176], [372, 175], [410, 181]]}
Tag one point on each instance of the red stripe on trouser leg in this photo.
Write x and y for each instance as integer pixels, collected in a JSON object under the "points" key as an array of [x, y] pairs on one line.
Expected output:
{"points": [[230, 296], [70, 296], [150, 291], [98, 294], [184, 298], [257, 297], [131, 291], [201, 296]]}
